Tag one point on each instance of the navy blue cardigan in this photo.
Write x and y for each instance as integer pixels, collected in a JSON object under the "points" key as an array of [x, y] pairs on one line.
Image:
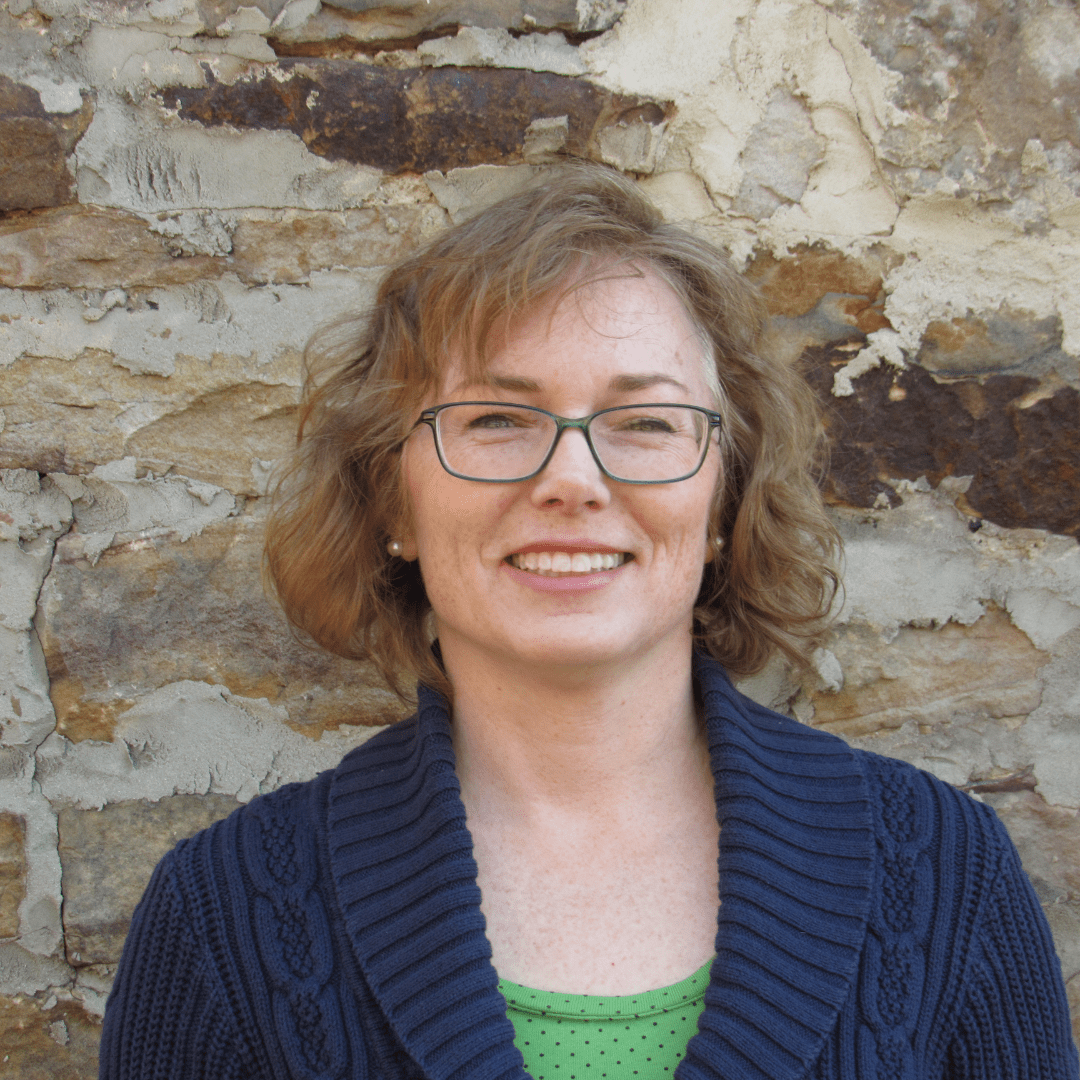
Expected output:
{"points": [[874, 924]]}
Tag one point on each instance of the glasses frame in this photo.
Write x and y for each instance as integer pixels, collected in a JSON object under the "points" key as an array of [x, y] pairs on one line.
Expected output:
{"points": [[430, 418]]}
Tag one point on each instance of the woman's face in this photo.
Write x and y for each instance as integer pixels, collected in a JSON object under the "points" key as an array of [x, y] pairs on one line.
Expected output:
{"points": [[621, 341]]}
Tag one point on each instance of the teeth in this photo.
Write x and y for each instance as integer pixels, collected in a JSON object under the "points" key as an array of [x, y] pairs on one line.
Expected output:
{"points": [[561, 562]]}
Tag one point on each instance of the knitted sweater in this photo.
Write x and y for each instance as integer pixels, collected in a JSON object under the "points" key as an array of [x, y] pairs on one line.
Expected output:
{"points": [[874, 924]]}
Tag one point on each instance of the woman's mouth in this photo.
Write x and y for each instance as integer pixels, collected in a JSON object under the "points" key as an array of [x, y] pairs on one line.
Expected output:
{"points": [[552, 563]]}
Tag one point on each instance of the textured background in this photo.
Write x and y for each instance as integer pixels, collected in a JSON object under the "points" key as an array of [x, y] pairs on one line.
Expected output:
{"points": [[188, 187]]}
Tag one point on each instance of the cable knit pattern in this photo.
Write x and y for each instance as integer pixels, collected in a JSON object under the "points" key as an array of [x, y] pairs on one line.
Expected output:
{"points": [[293, 935], [894, 953], [874, 924]]}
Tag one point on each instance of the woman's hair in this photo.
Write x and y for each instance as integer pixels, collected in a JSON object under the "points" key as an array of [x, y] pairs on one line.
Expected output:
{"points": [[771, 583]]}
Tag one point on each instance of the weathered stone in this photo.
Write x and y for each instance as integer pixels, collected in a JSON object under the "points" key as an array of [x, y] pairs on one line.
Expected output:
{"points": [[156, 611], [413, 120], [930, 677], [188, 167], [474, 47], [43, 1037], [287, 247], [108, 856], [819, 297], [190, 738], [34, 146], [995, 341], [404, 22], [222, 436], [24, 972], [12, 872], [795, 284], [211, 421], [90, 248], [1018, 438], [978, 80], [92, 986], [781, 151], [1048, 839], [93, 248], [465, 192]]}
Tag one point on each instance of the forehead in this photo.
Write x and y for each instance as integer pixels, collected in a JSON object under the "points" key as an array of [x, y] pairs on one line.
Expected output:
{"points": [[627, 321]]}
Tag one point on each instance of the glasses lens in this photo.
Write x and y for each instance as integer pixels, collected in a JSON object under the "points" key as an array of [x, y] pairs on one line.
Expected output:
{"points": [[654, 443], [494, 442]]}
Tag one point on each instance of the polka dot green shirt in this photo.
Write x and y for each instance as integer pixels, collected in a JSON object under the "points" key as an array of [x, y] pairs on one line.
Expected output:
{"points": [[585, 1037]]}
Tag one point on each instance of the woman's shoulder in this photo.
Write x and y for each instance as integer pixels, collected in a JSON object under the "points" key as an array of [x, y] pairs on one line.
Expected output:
{"points": [[910, 808], [918, 812]]}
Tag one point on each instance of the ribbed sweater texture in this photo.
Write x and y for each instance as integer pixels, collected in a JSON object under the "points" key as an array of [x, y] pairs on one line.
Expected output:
{"points": [[874, 924]]}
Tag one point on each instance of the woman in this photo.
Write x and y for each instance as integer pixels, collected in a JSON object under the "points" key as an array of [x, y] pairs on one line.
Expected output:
{"points": [[553, 450]]}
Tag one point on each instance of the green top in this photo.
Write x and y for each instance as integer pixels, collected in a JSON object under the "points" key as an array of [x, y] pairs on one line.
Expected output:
{"points": [[585, 1037]]}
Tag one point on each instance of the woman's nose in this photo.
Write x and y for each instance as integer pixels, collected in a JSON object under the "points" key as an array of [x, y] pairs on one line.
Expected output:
{"points": [[572, 478]]}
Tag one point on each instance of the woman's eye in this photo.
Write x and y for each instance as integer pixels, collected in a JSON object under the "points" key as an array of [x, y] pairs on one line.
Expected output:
{"points": [[492, 420], [648, 424]]}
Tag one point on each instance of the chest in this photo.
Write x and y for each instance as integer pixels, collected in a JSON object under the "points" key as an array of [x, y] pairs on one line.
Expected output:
{"points": [[599, 913]]}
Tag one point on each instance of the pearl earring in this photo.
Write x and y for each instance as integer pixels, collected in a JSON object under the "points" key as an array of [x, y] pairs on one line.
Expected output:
{"points": [[395, 548]]}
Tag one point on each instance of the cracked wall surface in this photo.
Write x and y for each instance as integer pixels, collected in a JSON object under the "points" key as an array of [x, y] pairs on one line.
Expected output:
{"points": [[189, 187]]}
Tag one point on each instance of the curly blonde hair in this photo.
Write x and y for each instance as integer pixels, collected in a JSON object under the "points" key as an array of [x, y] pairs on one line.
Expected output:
{"points": [[772, 583]]}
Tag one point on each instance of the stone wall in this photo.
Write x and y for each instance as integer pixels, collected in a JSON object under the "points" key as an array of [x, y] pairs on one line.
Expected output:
{"points": [[187, 187]]}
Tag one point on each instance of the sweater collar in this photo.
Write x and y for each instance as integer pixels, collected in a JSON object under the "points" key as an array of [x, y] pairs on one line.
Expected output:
{"points": [[796, 849]]}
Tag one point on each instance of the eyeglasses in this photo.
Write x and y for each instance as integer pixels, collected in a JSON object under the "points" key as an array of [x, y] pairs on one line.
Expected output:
{"points": [[499, 443]]}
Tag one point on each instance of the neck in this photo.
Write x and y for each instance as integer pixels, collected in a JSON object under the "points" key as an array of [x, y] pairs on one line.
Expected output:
{"points": [[598, 740]]}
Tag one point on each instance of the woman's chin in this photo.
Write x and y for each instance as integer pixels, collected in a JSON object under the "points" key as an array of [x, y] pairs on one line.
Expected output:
{"points": [[579, 648]]}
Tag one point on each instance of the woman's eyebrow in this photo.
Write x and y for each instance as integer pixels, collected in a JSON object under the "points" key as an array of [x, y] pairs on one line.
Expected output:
{"points": [[627, 383], [620, 383], [512, 382]]}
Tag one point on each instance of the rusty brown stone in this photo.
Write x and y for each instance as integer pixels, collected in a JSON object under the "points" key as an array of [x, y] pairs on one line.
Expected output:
{"points": [[930, 676], [998, 781], [817, 297], [34, 147], [1019, 439], [412, 120], [157, 610], [59, 1042], [985, 343], [796, 284], [108, 856], [88, 247], [12, 872]]}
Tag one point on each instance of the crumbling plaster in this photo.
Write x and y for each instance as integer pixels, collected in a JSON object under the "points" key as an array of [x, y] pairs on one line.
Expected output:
{"points": [[920, 565], [959, 256], [145, 332], [151, 372]]}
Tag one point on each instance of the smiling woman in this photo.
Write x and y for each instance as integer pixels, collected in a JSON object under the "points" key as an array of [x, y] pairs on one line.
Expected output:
{"points": [[528, 300], [551, 476]]}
